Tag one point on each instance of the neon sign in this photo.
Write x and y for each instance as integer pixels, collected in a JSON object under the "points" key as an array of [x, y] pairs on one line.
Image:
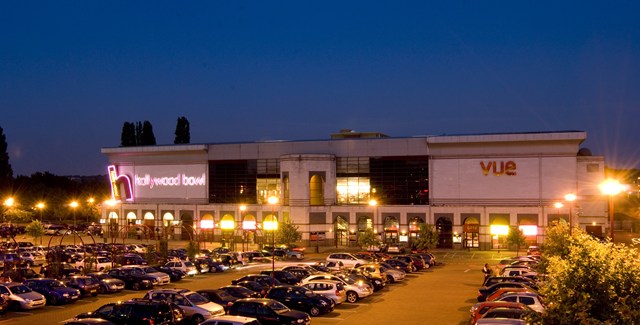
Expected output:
{"points": [[178, 180], [116, 182], [506, 168]]}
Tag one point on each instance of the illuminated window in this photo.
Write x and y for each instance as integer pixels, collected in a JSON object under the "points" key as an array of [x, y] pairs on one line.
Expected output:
{"points": [[501, 230], [529, 230], [316, 190]]}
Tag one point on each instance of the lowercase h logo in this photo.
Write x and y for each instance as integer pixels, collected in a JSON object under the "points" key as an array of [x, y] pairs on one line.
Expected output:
{"points": [[118, 181]]}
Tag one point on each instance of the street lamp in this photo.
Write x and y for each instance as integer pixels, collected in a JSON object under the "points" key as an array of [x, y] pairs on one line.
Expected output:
{"points": [[8, 203], [242, 209], [74, 205], [90, 200], [611, 187], [570, 198], [273, 226], [40, 206]]}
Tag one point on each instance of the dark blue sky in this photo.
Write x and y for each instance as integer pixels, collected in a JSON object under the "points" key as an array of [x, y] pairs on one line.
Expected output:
{"points": [[72, 72]]}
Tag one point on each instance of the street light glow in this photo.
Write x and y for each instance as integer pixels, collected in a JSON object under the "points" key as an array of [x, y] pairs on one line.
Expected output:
{"points": [[611, 187], [9, 202]]}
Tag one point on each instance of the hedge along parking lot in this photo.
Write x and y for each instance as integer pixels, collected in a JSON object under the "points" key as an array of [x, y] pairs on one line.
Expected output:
{"points": [[439, 295]]}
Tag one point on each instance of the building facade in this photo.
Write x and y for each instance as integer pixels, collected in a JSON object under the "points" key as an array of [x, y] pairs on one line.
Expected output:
{"points": [[472, 188]]}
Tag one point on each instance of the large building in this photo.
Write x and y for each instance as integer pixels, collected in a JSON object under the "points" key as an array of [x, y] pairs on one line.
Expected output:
{"points": [[472, 188]]}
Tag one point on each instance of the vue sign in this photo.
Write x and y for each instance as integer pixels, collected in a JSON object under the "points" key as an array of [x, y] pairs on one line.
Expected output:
{"points": [[498, 168]]}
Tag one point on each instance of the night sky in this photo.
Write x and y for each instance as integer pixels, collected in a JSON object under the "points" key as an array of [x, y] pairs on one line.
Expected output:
{"points": [[72, 72]]}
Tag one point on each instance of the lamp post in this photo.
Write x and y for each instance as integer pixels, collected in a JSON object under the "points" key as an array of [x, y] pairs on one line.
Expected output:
{"points": [[570, 198], [242, 209], [74, 205], [90, 200], [611, 187], [373, 203], [273, 226]]}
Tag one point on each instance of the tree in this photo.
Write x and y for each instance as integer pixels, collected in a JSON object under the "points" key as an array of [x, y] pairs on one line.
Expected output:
{"points": [[589, 282], [128, 136], [287, 233], [368, 239], [427, 237], [6, 172], [516, 238], [148, 139], [35, 229], [182, 131]]}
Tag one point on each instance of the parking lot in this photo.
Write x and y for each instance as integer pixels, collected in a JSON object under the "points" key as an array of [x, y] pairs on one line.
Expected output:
{"points": [[442, 294]]}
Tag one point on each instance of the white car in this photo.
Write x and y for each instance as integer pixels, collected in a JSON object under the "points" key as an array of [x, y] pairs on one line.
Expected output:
{"points": [[187, 267], [347, 259], [33, 258], [22, 296], [331, 289], [196, 307], [355, 289], [532, 300], [94, 263]]}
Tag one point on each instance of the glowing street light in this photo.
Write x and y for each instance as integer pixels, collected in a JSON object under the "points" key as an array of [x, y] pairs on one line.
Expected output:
{"points": [[611, 187], [74, 205], [273, 226], [40, 206]]}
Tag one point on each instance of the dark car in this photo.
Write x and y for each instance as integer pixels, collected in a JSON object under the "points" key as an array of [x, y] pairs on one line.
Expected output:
{"points": [[240, 291], [219, 296], [496, 279], [130, 259], [484, 292], [255, 286], [133, 278], [399, 265], [20, 274], [301, 298], [174, 275], [59, 270], [86, 284], [4, 304], [138, 311], [376, 283], [414, 262], [268, 312], [284, 277], [53, 290], [260, 278], [89, 321], [108, 284]]}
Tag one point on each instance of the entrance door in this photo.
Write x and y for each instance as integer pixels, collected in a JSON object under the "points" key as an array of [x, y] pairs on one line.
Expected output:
{"points": [[342, 231], [445, 228]]}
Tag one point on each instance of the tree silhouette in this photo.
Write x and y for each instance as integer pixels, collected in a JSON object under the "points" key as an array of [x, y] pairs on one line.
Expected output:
{"points": [[148, 139], [6, 172], [128, 136], [182, 131]]}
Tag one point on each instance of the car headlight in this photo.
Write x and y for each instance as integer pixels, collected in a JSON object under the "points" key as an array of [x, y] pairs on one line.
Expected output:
{"points": [[28, 300], [65, 295], [145, 281]]}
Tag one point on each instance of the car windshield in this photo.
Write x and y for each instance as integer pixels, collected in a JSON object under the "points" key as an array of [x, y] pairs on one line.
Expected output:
{"points": [[196, 298], [150, 270], [87, 281], [278, 307], [19, 289]]}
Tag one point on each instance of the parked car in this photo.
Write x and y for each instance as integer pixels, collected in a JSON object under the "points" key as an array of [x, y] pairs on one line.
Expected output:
{"points": [[397, 248], [33, 258], [496, 279], [530, 299], [346, 259], [268, 312], [260, 278], [478, 310], [92, 263], [330, 289], [301, 298], [86, 284], [284, 277], [4, 304], [219, 296], [255, 286], [133, 278], [399, 265], [20, 297], [185, 266], [502, 312], [355, 290], [240, 291], [55, 291], [174, 275], [484, 292], [19, 274], [59, 270], [137, 311], [159, 278], [108, 284], [196, 307], [231, 320]]}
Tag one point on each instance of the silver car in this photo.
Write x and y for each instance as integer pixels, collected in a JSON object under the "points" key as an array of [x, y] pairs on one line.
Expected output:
{"points": [[331, 289], [20, 295], [196, 307]]}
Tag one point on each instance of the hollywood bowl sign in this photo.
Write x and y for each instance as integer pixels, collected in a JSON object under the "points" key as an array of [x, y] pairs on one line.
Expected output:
{"points": [[147, 180]]}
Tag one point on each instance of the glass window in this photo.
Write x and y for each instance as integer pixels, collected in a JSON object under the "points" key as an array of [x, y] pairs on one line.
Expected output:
{"points": [[527, 300]]}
